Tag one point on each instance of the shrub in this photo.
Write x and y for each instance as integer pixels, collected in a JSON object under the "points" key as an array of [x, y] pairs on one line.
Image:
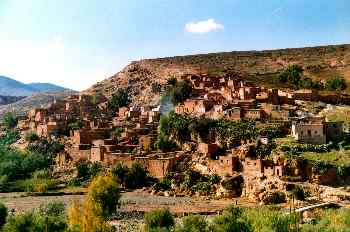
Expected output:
{"points": [[104, 191], [192, 223], [159, 219], [336, 84], [292, 75], [3, 214], [164, 144], [9, 121], [299, 193], [31, 137], [163, 184], [120, 171], [46, 218], [231, 220], [119, 99], [136, 177]]}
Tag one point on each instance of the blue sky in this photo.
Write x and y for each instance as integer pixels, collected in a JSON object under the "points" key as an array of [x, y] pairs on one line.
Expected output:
{"points": [[76, 43]]}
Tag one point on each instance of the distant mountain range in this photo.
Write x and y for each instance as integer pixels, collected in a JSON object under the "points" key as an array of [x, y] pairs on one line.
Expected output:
{"points": [[11, 87]]}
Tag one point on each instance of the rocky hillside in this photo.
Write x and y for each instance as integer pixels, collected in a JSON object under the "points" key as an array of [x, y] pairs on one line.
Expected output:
{"points": [[22, 106], [260, 67]]}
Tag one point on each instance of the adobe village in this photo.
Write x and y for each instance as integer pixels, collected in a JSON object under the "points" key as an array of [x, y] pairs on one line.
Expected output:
{"points": [[203, 134]]}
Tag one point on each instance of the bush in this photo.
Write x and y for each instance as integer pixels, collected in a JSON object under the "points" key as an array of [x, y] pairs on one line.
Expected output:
{"points": [[136, 177], [119, 99], [9, 121], [192, 223], [31, 137], [292, 75], [47, 218], [299, 193], [104, 192], [3, 214], [120, 171], [336, 84], [164, 144], [87, 169], [159, 219], [231, 220]]}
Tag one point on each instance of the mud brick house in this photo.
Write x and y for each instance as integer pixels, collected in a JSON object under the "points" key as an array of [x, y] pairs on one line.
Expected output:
{"points": [[309, 130], [207, 148], [224, 165], [85, 136], [316, 130], [194, 106], [157, 166], [261, 167], [253, 114]]}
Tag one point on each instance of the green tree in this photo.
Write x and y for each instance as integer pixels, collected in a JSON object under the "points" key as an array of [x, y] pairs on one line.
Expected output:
{"points": [[337, 84], [292, 75], [104, 191], [119, 99], [120, 171], [9, 120], [164, 143], [160, 219], [136, 177]]}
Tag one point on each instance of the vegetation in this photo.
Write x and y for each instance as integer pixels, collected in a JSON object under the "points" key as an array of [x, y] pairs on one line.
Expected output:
{"points": [[50, 217], [164, 143], [9, 121], [192, 223], [87, 170], [178, 91], [3, 214], [159, 220], [104, 191], [337, 84], [133, 178], [229, 133], [119, 99], [100, 203], [293, 75]]}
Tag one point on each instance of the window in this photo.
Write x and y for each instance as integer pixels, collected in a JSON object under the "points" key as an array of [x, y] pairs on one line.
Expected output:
{"points": [[316, 132], [309, 132]]}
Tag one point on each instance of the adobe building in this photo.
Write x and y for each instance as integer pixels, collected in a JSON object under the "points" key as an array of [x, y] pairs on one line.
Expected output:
{"points": [[316, 130]]}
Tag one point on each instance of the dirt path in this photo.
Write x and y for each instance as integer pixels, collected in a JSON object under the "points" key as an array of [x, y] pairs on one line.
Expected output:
{"points": [[130, 201]]}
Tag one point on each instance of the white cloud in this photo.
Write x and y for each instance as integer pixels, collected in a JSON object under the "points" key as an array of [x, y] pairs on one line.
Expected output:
{"points": [[204, 26]]}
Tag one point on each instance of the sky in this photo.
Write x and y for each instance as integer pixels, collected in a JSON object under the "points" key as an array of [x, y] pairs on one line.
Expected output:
{"points": [[76, 43]]}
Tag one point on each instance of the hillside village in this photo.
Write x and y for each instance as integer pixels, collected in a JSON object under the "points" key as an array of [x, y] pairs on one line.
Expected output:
{"points": [[220, 126]]}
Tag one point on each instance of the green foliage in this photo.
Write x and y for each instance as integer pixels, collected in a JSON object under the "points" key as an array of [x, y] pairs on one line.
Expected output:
{"points": [[104, 191], [10, 137], [192, 223], [136, 176], [119, 99], [120, 171], [336, 84], [299, 193], [16, 164], [31, 137], [3, 214], [48, 147], [320, 167], [87, 169], [47, 218], [172, 81], [179, 91], [292, 75], [264, 150], [229, 133], [159, 219], [268, 219], [9, 121], [132, 178], [231, 220], [164, 143], [163, 184]]}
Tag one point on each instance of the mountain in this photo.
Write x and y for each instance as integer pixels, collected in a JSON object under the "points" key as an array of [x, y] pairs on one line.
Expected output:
{"points": [[24, 105], [11, 87], [46, 87], [4, 100], [260, 67]]}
